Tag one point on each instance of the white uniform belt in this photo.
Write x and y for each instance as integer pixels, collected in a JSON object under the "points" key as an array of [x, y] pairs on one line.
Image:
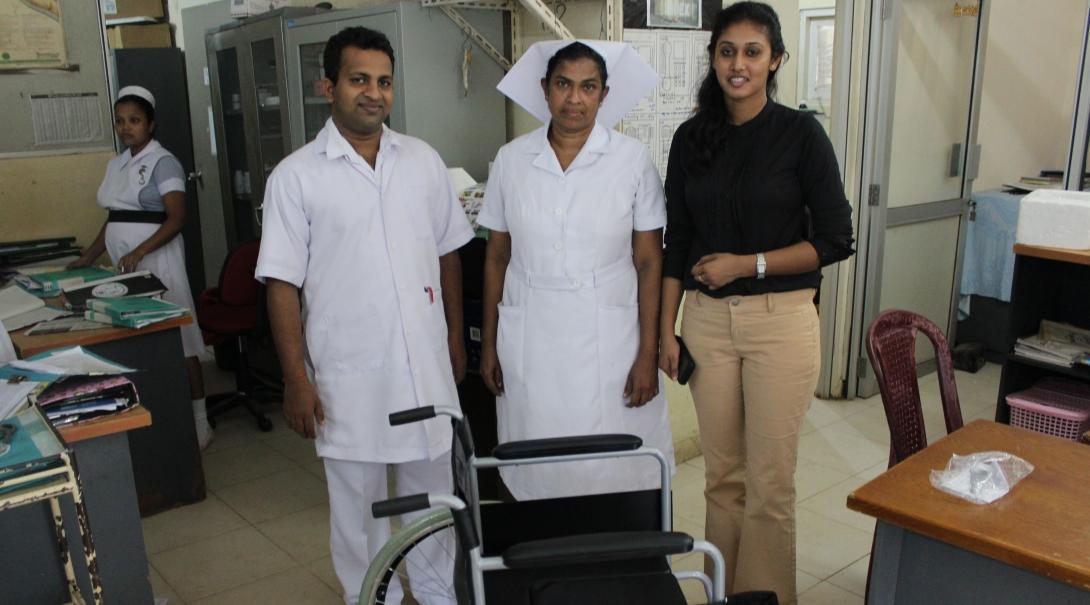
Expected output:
{"points": [[600, 277]]}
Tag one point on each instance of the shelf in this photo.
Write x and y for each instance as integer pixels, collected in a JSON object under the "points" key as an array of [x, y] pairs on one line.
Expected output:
{"points": [[1080, 372], [1079, 257]]}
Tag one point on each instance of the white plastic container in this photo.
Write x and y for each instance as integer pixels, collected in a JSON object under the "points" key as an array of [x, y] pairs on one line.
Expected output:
{"points": [[1055, 218]]}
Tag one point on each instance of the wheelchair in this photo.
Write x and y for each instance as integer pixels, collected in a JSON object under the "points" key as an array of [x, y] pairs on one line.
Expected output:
{"points": [[606, 549]]}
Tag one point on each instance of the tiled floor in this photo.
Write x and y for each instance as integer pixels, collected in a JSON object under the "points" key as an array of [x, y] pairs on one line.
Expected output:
{"points": [[262, 536]]}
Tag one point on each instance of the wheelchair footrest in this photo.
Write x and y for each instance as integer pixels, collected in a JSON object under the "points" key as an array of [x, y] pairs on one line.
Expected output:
{"points": [[596, 548]]}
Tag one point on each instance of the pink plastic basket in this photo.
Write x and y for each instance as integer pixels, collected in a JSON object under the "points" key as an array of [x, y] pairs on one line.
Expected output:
{"points": [[1053, 406]]}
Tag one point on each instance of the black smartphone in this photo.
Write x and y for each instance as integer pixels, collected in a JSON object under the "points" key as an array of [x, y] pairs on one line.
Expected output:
{"points": [[685, 363]]}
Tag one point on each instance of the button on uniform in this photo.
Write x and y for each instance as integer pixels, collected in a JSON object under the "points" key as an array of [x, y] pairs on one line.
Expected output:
{"points": [[558, 245]]}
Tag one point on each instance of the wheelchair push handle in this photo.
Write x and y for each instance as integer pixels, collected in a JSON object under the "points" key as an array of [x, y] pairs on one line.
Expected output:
{"points": [[413, 415], [400, 506]]}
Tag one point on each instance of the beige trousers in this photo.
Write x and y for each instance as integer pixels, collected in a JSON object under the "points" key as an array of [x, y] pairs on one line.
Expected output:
{"points": [[757, 362]]}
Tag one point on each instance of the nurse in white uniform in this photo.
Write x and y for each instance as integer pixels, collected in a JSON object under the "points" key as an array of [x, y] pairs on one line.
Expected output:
{"points": [[144, 192], [571, 283]]}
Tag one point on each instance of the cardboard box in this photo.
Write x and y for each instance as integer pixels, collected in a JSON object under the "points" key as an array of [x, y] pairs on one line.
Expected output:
{"points": [[249, 8], [156, 35], [125, 9]]}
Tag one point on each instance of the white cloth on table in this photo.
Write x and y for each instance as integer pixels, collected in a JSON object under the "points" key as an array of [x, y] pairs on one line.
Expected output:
{"points": [[988, 266]]}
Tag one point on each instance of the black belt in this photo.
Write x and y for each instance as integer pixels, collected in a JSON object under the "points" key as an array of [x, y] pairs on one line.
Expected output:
{"points": [[137, 216]]}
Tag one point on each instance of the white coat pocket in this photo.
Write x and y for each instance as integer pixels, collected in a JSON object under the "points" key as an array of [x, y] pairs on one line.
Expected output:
{"points": [[510, 341], [350, 342]]}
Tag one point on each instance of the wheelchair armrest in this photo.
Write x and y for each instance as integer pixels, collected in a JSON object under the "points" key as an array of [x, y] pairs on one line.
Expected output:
{"points": [[412, 415], [399, 506], [596, 548], [566, 446]]}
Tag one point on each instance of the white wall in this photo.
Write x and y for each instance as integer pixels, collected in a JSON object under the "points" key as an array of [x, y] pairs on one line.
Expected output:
{"points": [[1029, 88]]}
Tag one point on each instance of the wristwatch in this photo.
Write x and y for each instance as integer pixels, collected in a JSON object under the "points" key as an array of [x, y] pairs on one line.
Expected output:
{"points": [[761, 265]]}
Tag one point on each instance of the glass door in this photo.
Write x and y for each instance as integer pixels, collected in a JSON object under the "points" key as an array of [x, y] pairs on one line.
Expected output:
{"points": [[272, 123], [316, 108], [925, 63], [237, 213]]}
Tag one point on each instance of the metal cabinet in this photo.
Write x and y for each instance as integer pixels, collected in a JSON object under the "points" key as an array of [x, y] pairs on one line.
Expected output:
{"points": [[439, 96], [248, 80]]}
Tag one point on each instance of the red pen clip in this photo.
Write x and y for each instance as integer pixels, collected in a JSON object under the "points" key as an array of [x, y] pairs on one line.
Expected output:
{"points": [[431, 294]]}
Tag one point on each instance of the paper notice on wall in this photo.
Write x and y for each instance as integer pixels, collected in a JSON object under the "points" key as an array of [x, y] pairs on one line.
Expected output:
{"points": [[681, 60], [61, 119], [31, 34]]}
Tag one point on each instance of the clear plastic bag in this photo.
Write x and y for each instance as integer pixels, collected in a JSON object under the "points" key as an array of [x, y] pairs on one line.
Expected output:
{"points": [[983, 477]]}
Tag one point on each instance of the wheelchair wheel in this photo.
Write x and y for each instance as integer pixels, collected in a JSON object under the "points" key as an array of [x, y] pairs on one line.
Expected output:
{"points": [[391, 564]]}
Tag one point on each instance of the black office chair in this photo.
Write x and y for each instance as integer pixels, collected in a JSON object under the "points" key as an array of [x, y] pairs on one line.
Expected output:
{"points": [[235, 312]]}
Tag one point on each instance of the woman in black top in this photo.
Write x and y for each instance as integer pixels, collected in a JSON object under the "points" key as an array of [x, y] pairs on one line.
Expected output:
{"points": [[755, 207]]}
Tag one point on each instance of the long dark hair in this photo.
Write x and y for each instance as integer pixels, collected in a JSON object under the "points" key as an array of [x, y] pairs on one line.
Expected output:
{"points": [[707, 130]]}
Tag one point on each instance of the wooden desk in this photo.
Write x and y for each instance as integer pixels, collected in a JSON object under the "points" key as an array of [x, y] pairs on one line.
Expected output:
{"points": [[27, 345], [166, 462], [29, 570], [134, 418], [1031, 546]]}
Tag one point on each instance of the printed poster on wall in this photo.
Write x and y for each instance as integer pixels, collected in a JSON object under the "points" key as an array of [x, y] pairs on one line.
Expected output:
{"points": [[31, 34]]}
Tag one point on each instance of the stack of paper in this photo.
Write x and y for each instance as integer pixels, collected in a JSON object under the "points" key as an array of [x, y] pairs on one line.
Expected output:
{"points": [[13, 395], [132, 312], [19, 309], [82, 397], [1049, 351]]}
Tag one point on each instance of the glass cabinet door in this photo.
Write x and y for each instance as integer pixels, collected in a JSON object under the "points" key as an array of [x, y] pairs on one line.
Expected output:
{"points": [[316, 108], [271, 130], [234, 136]]}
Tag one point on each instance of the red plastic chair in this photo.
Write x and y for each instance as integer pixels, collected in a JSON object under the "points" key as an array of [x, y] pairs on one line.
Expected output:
{"points": [[891, 347]]}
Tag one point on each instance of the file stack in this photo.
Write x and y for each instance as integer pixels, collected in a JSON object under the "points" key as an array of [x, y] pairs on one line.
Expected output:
{"points": [[79, 398], [134, 312]]}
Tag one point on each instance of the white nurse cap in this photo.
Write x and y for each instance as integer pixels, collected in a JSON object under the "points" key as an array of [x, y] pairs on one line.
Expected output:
{"points": [[630, 79], [137, 91]]}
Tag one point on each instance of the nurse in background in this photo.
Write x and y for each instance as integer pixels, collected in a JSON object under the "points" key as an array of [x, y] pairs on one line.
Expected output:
{"points": [[144, 192], [571, 282]]}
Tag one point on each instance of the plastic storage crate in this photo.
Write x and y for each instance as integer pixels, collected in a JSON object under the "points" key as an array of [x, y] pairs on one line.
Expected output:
{"points": [[1053, 406]]}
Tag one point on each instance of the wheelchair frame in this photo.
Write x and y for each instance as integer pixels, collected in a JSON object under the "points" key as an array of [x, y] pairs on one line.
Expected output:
{"points": [[618, 546]]}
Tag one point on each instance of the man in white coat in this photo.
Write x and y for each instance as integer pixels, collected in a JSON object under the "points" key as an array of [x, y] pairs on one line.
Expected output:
{"points": [[359, 251]]}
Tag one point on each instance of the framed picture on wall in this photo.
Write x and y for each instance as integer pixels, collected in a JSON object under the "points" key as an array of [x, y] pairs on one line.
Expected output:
{"points": [[683, 14]]}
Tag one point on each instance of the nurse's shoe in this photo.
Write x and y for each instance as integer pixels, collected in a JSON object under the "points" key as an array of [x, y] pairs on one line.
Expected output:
{"points": [[205, 437], [200, 421]]}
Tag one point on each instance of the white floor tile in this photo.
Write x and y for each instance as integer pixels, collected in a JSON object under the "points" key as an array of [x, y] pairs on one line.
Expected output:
{"points": [[227, 561], [832, 504], [853, 578], [845, 453], [826, 546], [275, 495], [828, 594], [304, 535], [230, 466], [296, 586], [812, 478], [805, 581], [187, 524]]}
